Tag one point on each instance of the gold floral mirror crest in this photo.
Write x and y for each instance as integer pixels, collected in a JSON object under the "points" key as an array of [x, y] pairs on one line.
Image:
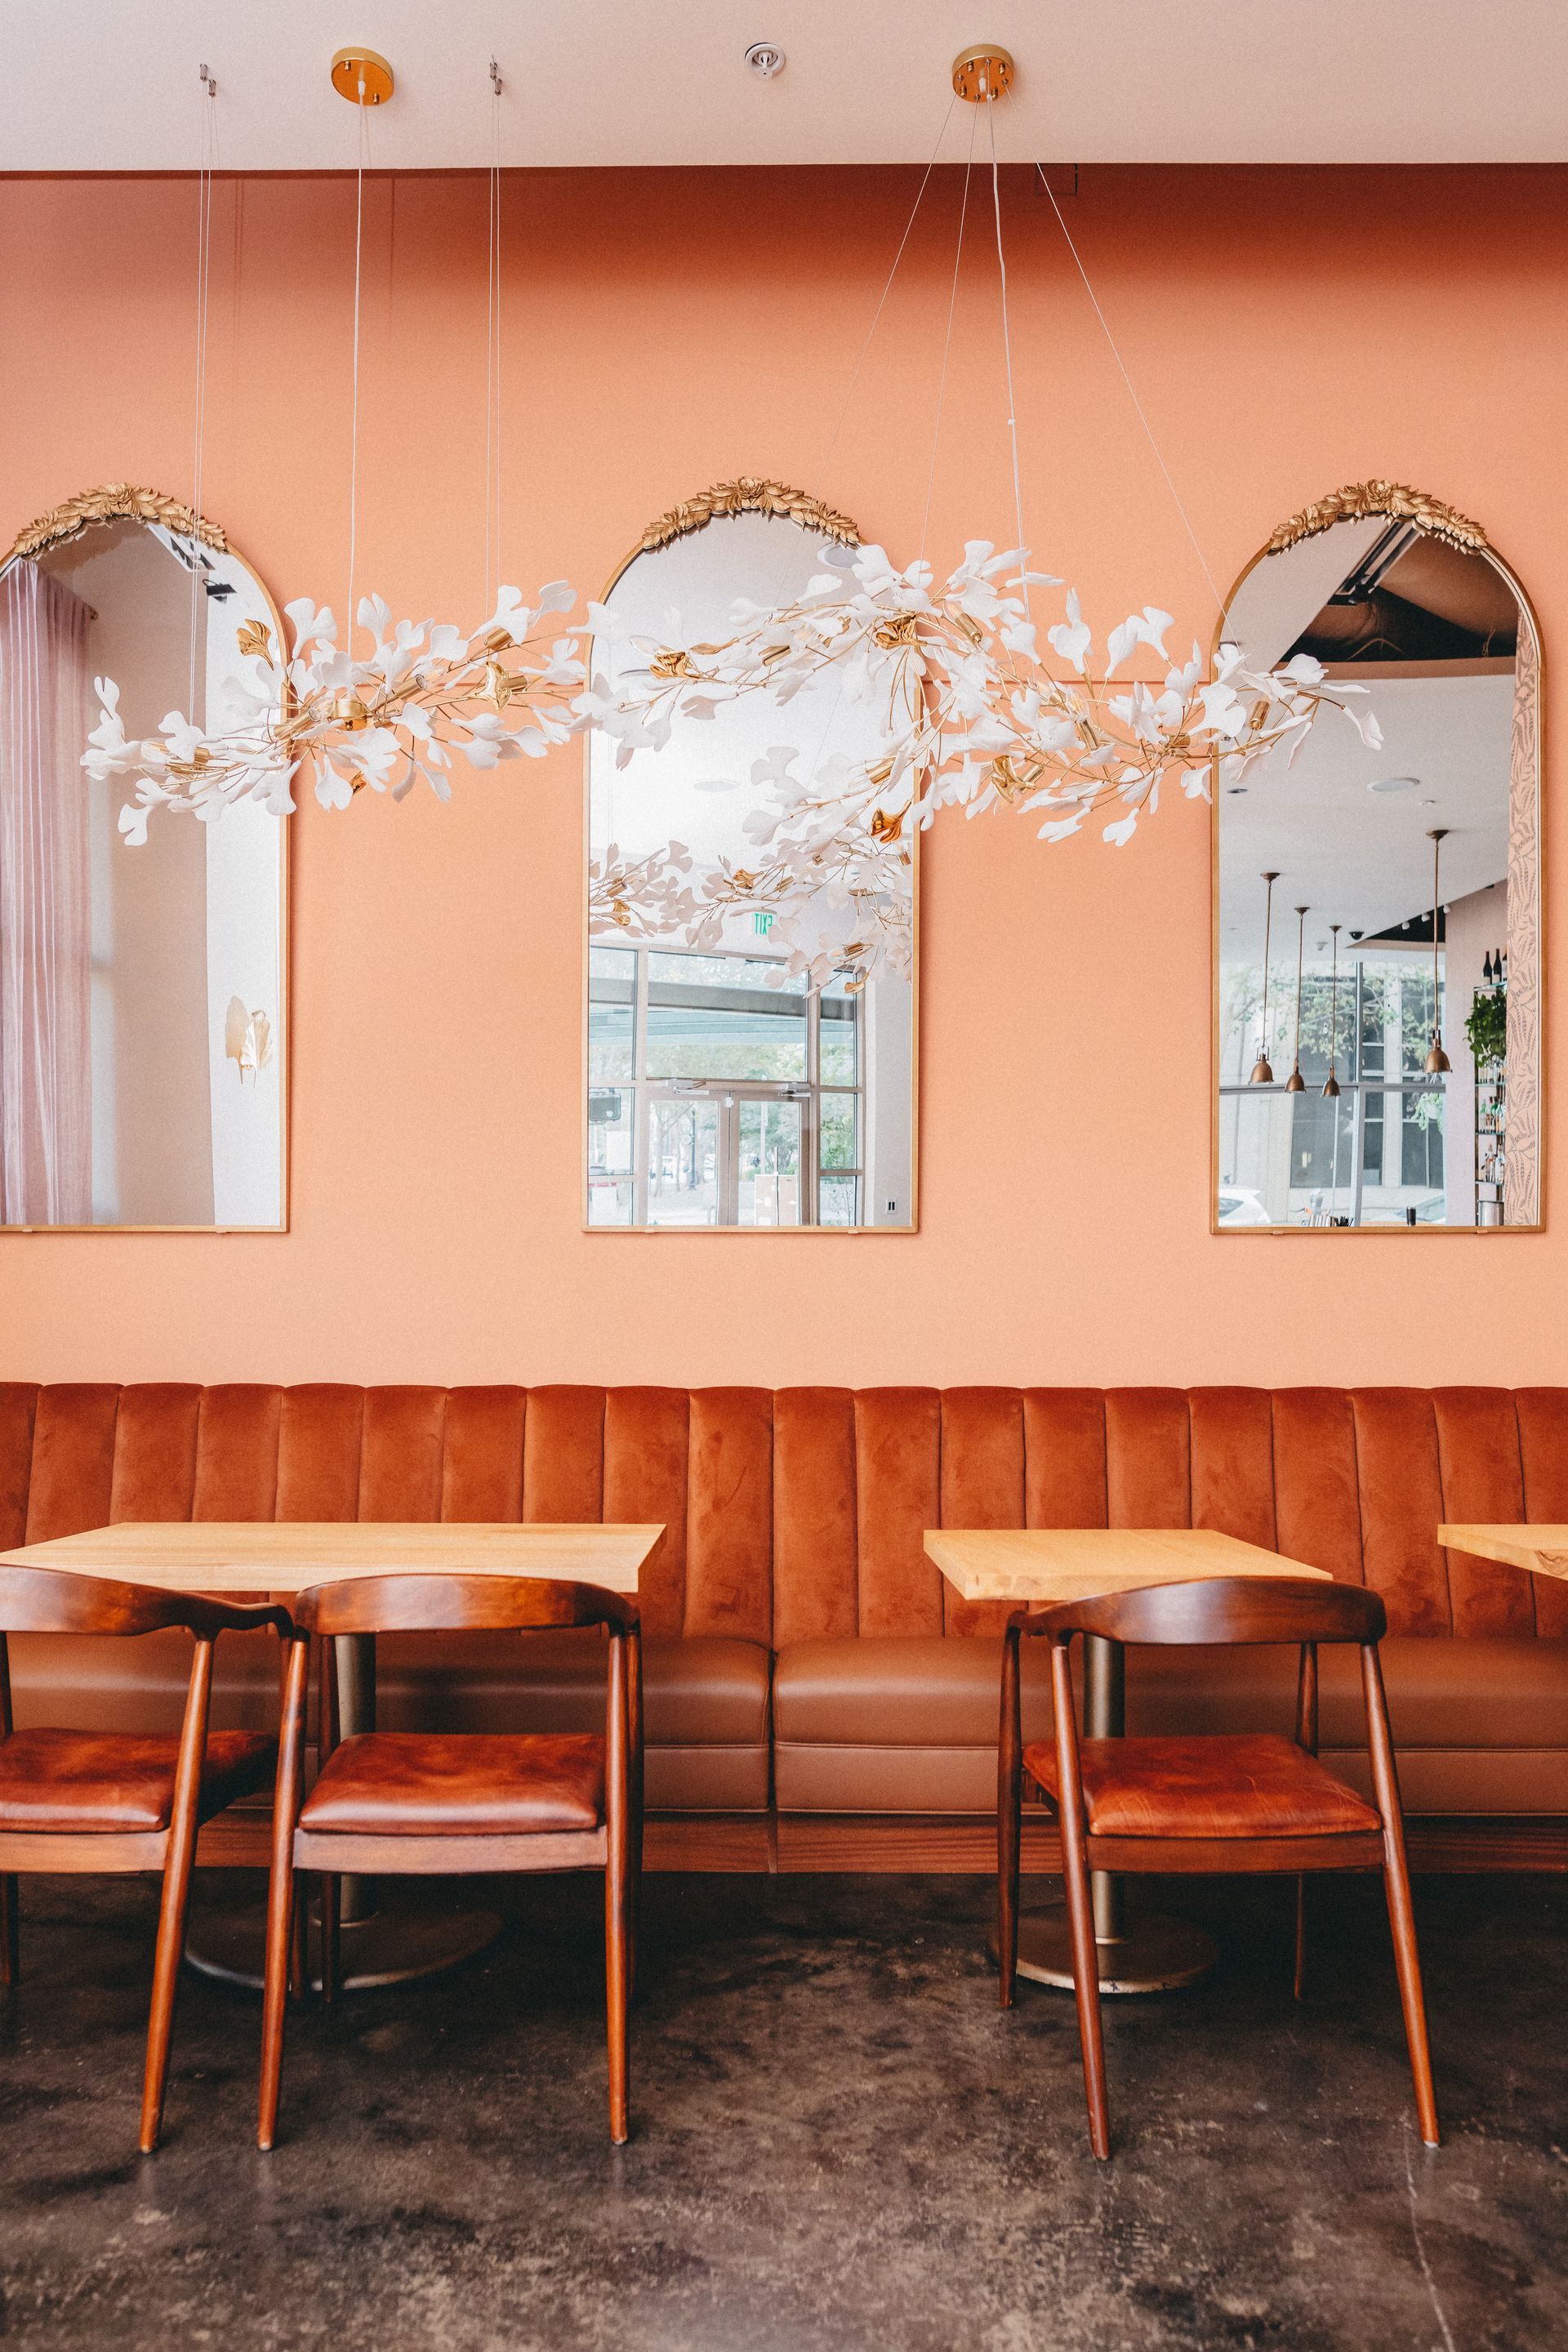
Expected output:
{"points": [[144, 1075], [748, 1065], [1377, 931]]}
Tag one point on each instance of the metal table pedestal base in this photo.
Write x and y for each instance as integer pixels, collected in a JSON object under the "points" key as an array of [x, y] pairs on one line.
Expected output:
{"points": [[389, 1948], [1147, 1953], [1152, 1953]]}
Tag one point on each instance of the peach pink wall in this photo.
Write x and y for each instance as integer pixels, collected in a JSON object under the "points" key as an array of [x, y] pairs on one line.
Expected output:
{"points": [[1288, 331]]}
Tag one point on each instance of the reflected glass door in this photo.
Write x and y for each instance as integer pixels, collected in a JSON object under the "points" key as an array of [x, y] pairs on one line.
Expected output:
{"points": [[683, 1160], [768, 1162]]}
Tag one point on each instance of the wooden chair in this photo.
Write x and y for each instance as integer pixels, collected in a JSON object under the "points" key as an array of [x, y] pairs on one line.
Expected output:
{"points": [[1216, 1804], [112, 1801], [390, 1803]]}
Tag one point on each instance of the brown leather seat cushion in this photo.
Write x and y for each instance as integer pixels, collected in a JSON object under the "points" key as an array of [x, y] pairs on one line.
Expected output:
{"points": [[1242, 1785], [89, 1780], [905, 1725], [462, 1784], [701, 1692]]}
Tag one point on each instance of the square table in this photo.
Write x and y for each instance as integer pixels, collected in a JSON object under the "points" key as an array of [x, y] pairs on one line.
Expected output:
{"points": [[279, 1558], [1041, 1566], [1540, 1547]]}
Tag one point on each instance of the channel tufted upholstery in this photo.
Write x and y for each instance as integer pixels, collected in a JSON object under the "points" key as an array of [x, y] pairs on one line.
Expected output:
{"points": [[802, 1651]]}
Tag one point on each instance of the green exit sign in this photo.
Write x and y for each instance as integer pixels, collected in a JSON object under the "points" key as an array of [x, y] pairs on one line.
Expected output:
{"points": [[761, 923]]}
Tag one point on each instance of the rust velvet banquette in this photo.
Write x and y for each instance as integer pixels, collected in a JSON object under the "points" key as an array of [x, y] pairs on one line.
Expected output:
{"points": [[817, 1696]]}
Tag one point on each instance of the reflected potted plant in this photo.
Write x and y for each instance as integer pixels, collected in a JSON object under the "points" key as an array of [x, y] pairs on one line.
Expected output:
{"points": [[1486, 1027]]}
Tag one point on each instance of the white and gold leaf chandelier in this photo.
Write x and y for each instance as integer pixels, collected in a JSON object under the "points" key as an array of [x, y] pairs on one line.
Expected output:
{"points": [[973, 715]]}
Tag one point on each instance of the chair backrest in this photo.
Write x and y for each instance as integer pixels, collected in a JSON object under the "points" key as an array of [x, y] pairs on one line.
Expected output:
{"points": [[59, 1601], [1234, 1609], [386, 1604]]}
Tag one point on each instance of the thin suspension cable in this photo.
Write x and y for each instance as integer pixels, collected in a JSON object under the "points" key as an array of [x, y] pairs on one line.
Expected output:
{"points": [[353, 425], [947, 346], [832, 442], [493, 360], [882, 304], [199, 408], [1132, 390], [1007, 353]]}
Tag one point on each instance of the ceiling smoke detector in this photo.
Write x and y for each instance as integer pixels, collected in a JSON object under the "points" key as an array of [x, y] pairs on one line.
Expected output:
{"points": [[1395, 784], [765, 59]]}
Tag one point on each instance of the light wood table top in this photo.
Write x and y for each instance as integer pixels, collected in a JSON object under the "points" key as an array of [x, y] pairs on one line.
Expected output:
{"points": [[1080, 1563], [1543, 1548], [284, 1555]]}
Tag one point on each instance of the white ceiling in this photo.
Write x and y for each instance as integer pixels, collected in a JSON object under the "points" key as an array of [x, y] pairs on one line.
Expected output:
{"points": [[1361, 857], [90, 87]]}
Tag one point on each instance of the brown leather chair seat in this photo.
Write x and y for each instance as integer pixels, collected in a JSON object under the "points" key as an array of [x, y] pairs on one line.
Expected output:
{"points": [[86, 1780], [1235, 1785], [1480, 1722], [467, 1784]]}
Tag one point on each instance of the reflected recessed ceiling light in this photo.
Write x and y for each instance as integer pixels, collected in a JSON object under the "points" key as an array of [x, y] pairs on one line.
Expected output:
{"points": [[765, 59], [1235, 790], [1395, 784]]}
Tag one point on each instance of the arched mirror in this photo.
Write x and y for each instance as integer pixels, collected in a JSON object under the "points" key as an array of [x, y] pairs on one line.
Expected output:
{"points": [[1377, 1003], [742, 1068], [143, 1030]]}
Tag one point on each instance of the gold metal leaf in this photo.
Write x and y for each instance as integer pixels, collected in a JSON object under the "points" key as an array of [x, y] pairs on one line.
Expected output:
{"points": [[1358, 500], [255, 638], [748, 495], [114, 502]]}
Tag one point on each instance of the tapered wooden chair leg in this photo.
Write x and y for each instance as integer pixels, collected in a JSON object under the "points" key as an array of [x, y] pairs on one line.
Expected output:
{"points": [[281, 1894], [1071, 1817], [275, 2000], [618, 1990], [174, 1906], [169, 1953], [1086, 1993], [1299, 1979], [332, 1913], [10, 1929], [617, 1883], [1412, 1999], [1396, 1887]]}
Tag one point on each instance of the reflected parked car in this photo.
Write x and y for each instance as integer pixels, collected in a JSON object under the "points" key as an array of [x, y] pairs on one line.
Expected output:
{"points": [[1240, 1206]]}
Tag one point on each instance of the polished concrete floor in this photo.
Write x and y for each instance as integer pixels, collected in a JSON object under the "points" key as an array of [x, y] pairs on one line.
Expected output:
{"points": [[840, 2143]]}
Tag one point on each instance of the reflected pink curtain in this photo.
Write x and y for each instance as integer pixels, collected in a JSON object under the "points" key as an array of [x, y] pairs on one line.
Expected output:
{"points": [[46, 915]]}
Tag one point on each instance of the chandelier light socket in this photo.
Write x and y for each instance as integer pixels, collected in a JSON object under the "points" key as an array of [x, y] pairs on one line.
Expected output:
{"points": [[983, 73], [358, 68]]}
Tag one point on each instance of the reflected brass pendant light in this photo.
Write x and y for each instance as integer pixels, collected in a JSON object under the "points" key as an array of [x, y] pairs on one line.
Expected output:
{"points": [[1295, 1083], [1331, 1083], [1436, 1060], [1262, 1069]]}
